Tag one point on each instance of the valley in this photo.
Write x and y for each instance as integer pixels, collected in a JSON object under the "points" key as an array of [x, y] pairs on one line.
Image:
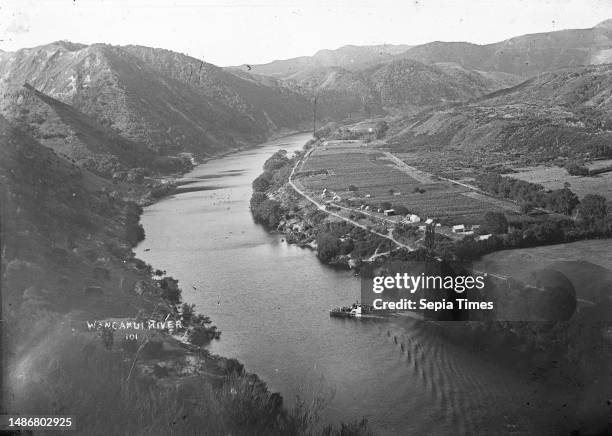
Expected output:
{"points": [[494, 156]]}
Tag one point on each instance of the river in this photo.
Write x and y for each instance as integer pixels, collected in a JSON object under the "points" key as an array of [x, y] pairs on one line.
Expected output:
{"points": [[271, 302]]}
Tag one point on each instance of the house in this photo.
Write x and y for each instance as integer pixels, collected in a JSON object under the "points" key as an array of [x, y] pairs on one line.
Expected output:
{"points": [[459, 228], [397, 194], [429, 221], [368, 196], [483, 237], [389, 212], [367, 208], [413, 218]]}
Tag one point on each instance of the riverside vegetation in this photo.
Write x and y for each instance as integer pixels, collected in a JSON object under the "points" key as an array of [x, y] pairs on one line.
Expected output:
{"points": [[553, 339], [67, 238]]}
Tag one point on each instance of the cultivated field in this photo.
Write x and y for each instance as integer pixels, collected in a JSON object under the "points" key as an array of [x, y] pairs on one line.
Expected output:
{"points": [[555, 178], [377, 177]]}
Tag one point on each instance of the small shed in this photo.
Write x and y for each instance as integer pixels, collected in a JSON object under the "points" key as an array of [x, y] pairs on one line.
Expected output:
{"points": [[389, 212]]}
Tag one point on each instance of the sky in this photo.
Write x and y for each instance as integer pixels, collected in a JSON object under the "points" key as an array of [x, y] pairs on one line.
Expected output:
{"points": [[233, 32]]}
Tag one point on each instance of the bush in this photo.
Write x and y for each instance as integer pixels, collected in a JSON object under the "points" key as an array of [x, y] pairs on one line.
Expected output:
{"points": [[262, 182], [328, 246], [494, 223], [170, 290], [593, 207], [268, 213], [574, 169], [381, 129]]}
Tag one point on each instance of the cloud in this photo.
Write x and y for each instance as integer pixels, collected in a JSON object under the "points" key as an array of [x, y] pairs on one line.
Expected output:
{"points": [[17, 28]]}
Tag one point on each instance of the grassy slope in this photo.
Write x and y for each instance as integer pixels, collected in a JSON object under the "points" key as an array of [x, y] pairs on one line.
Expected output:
{"points": [[65, 229], [561, 114]]}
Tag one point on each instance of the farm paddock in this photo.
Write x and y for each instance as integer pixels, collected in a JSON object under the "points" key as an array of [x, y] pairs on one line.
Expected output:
{"points": [[353, 171]]}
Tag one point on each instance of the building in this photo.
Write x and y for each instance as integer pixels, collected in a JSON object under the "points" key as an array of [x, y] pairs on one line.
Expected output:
{"points": [[459, 228], [483, 237], [429, 221], [413, 218], [389, 212]]}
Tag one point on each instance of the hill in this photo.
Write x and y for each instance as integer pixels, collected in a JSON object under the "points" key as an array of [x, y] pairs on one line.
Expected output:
{"points": [[525, 55], [349, 57], [400, 85], [79, 137], [154, 97], [555, 116], [63, 229]]}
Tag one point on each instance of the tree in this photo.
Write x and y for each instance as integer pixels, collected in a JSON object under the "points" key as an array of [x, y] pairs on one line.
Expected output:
{"points": [[494, 223], [401, 210], [276, 161], [170, 290], [575, 169], [562, 201], [257, 198], [268, 213], [430, 238], [593, 207], [381, 129], [262, 183], [385, 205], [328, 246]]}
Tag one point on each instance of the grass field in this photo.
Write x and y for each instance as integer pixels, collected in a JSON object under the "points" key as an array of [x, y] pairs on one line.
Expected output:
{"points": [[555, 178], [378, 178]]}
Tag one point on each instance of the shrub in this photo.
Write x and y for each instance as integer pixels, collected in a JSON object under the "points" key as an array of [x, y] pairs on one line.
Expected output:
{"points": [[574, 169], [494, 223], [328, 246], [268, 213]]}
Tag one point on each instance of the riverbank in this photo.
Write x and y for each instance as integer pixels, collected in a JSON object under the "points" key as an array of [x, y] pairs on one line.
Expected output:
{"points": [[550, 341], [180, 361], [67, 261]]}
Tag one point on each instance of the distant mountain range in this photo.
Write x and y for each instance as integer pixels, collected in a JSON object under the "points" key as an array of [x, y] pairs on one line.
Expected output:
{"points": [[349, 57], [523, 56], [526, 55], [111, 108], [390, 77]]}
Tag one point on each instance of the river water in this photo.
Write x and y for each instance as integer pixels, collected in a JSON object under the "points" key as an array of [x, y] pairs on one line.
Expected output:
{"points": [[271, 302]]}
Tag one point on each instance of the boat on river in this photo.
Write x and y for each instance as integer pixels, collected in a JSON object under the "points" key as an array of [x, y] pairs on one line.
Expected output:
{"points": [[354, 311]]}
